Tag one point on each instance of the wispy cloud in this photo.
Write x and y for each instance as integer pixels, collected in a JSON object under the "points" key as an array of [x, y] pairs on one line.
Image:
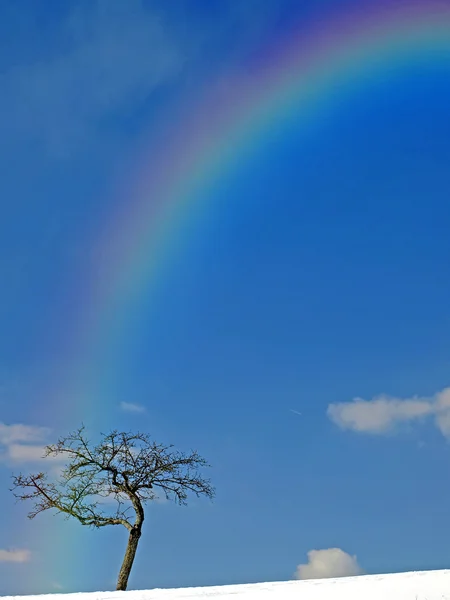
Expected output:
{"points": [[383, 414], [10, 434], [25, 453], [16, 445], [19, 556], [103, 60], [57, 586], [130, 407], [112, 499], [332, 562]]}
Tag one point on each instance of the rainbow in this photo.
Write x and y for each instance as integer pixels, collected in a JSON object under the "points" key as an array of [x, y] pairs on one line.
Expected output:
{"points": [[332, 57]]}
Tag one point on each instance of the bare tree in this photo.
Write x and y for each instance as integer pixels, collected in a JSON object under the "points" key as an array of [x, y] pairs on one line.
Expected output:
{"points": [[123, 466]]}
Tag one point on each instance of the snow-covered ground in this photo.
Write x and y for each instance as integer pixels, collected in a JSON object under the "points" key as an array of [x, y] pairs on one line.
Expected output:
{"points": [[423, 585]]}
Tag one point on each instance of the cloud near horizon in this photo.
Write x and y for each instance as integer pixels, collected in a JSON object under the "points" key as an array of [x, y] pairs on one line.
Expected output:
{"points": [[384, 414], [18, 556], [328, 563]]}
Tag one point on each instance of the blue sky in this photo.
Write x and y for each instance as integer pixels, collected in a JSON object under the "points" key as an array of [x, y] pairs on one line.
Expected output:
{"points": [[321, 279]]}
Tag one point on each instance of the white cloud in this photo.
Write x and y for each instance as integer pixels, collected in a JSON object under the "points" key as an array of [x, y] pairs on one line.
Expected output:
{"points": [[383, 414], [24, 453], [14, 555], [103, 59], [332, 562], [377, 415], [15, 446], [22, 433], [130, 407]]}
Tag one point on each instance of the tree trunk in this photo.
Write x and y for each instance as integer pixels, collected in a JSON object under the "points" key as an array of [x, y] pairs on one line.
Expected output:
{"points": [[130, 553]]}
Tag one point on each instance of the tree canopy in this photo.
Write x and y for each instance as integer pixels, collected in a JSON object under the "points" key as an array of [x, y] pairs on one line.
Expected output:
{"points": [[122, 466]]}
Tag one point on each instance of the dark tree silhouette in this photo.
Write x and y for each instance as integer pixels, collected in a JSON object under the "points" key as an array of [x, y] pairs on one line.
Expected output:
{"points": [[123, 466]]}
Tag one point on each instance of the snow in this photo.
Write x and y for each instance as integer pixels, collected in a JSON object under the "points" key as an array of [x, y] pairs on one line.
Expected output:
{"points": [[423, 585]]}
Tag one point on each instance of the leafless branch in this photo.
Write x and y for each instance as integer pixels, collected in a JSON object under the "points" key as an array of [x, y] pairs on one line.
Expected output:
{"points": [[122, 465]]}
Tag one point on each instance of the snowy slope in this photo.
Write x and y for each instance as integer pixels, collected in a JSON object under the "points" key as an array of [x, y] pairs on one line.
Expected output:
{"points": [[424, 585]]}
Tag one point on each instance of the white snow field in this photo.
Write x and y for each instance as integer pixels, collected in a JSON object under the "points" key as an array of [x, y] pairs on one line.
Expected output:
{"points": [[422, 585]]}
